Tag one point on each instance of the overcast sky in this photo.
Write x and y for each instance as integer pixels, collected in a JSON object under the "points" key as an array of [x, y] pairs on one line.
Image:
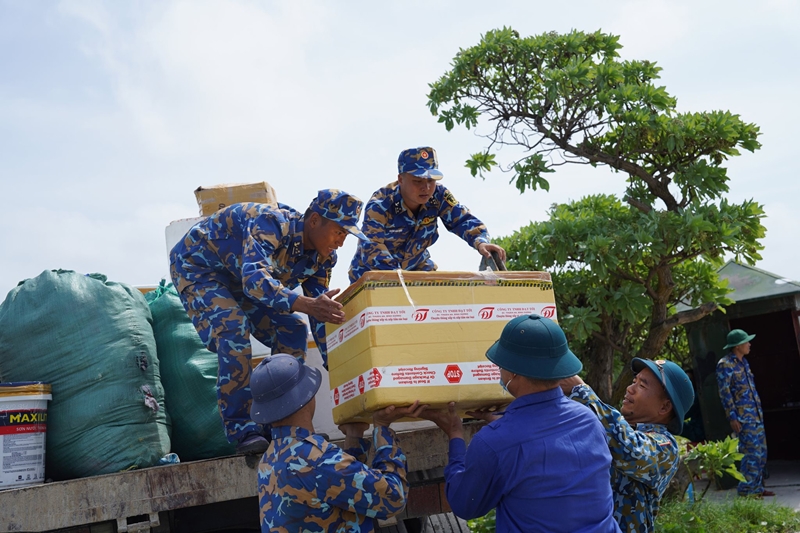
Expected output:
{"points": [[112, 113]]}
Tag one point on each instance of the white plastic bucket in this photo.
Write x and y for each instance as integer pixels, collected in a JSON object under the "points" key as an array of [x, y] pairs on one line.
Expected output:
{"points": [[23, 427]]}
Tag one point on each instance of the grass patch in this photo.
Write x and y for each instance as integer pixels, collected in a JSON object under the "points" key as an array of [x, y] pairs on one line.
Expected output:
{"points": [[745, 515], [740, 515]]}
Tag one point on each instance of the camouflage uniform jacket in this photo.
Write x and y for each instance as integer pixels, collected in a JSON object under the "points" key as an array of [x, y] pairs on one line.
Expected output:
{"points": [[399, 239], [643, 461], [307, 484], [737, 391], [258, 248]]}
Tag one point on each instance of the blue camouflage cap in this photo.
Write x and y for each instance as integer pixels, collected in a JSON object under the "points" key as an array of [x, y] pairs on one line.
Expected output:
{"points": [[340, 207], [420, 162], [676, 383]]}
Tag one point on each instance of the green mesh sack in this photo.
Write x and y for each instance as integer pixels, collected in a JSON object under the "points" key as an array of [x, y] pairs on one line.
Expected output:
{"points": [[189, 374], [92, 340]]}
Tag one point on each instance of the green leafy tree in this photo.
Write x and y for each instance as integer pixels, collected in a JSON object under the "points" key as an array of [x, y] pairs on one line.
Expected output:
{"points": [[620, 266]]}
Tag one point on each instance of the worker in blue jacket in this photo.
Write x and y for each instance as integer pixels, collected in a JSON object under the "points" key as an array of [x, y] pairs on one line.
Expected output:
{"points": [[235, 272], [737, 391], [544, 464], [401, 219]]}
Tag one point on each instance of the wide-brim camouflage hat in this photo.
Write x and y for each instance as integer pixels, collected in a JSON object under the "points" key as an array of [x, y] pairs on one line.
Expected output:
{"points": [[281, 385], [420, 162], [340, 207]]}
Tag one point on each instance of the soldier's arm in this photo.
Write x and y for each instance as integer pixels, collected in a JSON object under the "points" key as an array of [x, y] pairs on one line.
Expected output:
{"points": [[313, 287], [724, 376], [458, 220], [470, 483], [639, 455]]}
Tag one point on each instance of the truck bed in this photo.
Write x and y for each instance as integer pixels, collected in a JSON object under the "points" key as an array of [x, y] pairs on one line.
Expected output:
{"points": [[152, 499]]}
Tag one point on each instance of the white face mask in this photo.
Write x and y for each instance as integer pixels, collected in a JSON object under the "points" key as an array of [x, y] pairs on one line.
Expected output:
{"points": [[505, 385]]}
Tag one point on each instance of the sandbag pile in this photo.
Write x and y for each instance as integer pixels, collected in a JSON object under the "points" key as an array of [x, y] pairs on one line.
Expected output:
{"points": [[93, 341], [189, 375]]}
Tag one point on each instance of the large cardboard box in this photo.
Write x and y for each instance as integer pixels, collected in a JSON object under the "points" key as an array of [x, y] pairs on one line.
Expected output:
{"points": [[212, 199], [424, 335]]}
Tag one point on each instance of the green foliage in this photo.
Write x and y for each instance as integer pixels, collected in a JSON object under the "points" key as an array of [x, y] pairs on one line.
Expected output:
{"points": [[621, 267], [484, 524], [605, 255], [714, 459], [571, 93], [744, 515]]}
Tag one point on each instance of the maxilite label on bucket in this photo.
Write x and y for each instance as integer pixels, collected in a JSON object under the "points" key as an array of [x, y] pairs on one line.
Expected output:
{"points": [[23, 426]]}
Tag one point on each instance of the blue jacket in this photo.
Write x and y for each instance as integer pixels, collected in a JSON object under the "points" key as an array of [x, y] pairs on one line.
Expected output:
{"points": [[544, 465]]}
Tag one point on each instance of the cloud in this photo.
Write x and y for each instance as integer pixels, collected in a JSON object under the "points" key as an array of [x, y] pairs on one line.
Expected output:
{"points": [[199, 76]]}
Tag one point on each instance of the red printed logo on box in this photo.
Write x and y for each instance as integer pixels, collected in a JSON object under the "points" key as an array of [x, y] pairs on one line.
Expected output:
{"points": [[549, 311], [361, 384], [336, 396], [452, 373], [420, 314], [486, 313], [376, 378]]}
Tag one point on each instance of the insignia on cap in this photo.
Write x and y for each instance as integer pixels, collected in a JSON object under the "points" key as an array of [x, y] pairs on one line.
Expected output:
{"points": [[424, 154]]}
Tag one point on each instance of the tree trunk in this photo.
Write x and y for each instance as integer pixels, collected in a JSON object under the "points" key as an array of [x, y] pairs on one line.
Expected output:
{"points": [[623, 381], [600, 368], [658, 332]]}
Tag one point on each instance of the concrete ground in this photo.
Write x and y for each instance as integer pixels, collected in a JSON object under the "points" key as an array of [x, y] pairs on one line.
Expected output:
{"points": [[784, 481]]}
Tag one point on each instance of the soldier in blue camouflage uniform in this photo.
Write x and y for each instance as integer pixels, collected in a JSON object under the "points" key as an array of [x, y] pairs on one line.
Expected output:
{"points": [[644, 455], [307, 484], [235, 272], [401, 219], [737, 390]]}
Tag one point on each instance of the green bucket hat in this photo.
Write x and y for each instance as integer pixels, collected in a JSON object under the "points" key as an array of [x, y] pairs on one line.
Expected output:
{"points": [[536, 347], [737, 337], [677, 384]]}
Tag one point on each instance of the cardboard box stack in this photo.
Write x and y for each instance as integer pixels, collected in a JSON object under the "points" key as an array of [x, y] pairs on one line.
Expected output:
{"points": [[213, 198], [424, 335]]}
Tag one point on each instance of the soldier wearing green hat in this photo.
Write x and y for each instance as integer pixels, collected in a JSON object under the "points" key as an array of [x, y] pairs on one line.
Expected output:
{"points": [[544, 464], [739, 397]]}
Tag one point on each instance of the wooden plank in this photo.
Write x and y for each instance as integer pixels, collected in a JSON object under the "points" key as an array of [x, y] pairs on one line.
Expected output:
{"points": [[137, 492]]}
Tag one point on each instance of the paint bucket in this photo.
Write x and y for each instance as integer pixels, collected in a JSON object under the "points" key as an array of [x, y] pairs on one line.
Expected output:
{"points": [[23, 426]]}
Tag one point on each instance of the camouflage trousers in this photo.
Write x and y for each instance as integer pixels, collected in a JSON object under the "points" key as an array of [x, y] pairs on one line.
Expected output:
{"points": [[753, 444], [225, 318]]}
